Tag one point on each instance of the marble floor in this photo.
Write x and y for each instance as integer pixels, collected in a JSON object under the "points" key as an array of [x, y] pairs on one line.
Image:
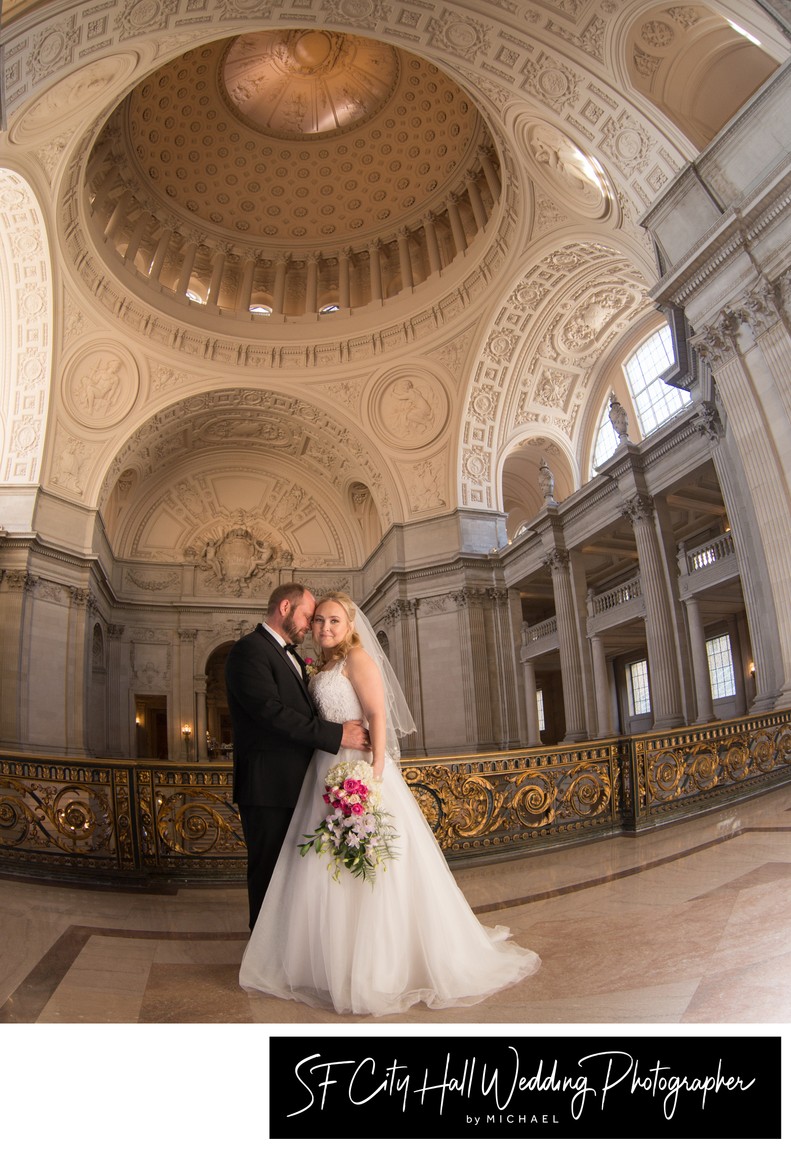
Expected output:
{"points": [[689, 924], [686, 930]]}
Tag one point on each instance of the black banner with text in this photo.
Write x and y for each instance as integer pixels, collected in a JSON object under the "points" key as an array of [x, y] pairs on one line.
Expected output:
{"points": [[533, 1086]]}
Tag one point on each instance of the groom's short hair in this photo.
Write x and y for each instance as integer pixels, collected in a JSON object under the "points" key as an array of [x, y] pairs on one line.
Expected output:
{"points": [[293, 591]]}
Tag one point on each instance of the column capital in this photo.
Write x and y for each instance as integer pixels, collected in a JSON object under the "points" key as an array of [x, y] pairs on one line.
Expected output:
{"points": [[717, 342], [638, 509], [557, 559], [401, 608], [706, 421], [760, 308]]}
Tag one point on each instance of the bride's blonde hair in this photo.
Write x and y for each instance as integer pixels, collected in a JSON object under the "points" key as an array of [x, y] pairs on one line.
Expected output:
{"points": [[352, 638]]}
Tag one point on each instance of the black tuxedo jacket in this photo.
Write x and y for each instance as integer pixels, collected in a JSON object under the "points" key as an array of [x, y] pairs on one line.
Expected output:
{"points": [[275, 725]]}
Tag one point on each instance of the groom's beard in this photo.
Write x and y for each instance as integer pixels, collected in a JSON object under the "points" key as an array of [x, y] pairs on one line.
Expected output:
{"points": [[292, 630]]}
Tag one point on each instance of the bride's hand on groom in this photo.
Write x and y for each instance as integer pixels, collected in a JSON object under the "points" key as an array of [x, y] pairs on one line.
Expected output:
{"points": [[355, 736]]}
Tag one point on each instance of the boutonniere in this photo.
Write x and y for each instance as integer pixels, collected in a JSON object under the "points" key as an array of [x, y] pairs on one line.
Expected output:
{"points": [[310, 667]]}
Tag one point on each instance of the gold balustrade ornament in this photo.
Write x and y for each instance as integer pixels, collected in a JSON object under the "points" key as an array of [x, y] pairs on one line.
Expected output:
{"points": [[126, 820]]}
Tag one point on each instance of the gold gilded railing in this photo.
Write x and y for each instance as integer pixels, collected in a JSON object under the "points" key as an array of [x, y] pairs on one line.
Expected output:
{"points": [[154, 822]]}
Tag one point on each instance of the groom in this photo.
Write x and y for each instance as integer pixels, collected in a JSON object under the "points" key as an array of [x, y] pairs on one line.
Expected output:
{"points": [[275, 730]]}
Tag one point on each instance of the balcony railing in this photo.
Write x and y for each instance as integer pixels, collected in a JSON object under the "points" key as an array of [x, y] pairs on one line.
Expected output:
{"points": [[706, 555], [152, 823], [545, 629], [616, 596]]}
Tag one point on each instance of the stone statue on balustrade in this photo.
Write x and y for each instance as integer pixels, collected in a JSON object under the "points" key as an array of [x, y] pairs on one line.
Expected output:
{"points": [[619, 419], [546, 482]]}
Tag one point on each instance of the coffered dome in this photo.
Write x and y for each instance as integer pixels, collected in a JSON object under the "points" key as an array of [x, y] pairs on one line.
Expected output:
{"points": [[291, 171]]}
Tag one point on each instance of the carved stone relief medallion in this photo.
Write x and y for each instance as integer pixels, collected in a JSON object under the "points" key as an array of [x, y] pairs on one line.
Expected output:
{"points": [[566, 170], [101, 385], [72, 95], [409, 408]]}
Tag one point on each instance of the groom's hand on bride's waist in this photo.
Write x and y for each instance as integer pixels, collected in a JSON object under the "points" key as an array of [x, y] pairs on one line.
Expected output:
{"points": [[355, 736]]}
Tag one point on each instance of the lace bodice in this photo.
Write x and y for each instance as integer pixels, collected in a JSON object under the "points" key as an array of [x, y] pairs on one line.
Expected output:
{"points": [[334, 695]]}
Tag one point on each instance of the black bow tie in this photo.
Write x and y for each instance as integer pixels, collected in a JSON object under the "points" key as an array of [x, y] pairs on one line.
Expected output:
{"points": [[291, 648]]}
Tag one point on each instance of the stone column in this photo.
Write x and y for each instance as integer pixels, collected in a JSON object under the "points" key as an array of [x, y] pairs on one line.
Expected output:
{"points": [[244, 293], [117, 696], [14, 587], [704, 704], [281, 269], [432, 244], [404, 260], [401, 619], [79, 646], [570, 662], [375, 271], [473, 645], [187, 264], [601, 682], [738, 666], [217, 269], [344, 284], [136, 238], [312, 286], [456, 225], [476, 202], [749, 468], [505, 673], [490, 173], [118, 216], [185, 696], [665, 684], [201, 718], [158, 262], [531, 703]]}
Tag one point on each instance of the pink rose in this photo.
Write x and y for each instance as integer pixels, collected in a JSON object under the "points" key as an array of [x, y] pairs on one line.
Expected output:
{"points": [[358, 809], [350, 786]]}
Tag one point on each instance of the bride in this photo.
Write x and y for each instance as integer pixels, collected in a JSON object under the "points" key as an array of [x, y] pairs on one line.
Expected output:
{"points": [[409, 936]]}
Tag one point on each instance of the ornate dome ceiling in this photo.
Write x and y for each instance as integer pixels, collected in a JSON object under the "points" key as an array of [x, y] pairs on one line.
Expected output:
{"points": [[298, 144], [303, 137]]}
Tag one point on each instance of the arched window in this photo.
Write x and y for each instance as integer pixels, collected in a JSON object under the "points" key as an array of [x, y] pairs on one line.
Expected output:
{"points": [[654, 401]]}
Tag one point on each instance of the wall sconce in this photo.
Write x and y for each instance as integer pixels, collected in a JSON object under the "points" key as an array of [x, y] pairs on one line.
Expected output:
{"points": [[751, 669], [186, 731]]}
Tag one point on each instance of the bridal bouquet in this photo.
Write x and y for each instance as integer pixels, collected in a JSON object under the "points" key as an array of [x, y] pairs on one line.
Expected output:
{"points": [[355, 832]]}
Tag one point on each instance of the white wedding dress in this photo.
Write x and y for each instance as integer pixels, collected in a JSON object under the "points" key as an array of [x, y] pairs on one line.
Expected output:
{"points": [[372, 948]]}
